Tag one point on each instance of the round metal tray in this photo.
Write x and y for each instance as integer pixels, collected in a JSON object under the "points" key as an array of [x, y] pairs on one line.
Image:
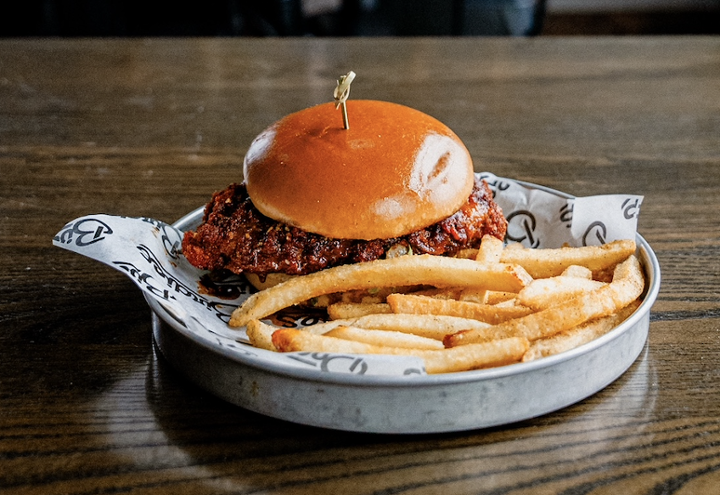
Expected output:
{"points": [[400, 404]]}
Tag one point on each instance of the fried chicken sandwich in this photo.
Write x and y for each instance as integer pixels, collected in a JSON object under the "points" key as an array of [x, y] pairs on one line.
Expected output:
{"points": [[316, 195]]}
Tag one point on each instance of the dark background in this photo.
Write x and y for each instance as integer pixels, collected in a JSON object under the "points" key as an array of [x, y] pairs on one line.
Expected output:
{"points": [[132, 18]]}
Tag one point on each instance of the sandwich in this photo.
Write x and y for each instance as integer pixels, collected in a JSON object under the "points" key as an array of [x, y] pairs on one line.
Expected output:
{"points": [[317, 194]]}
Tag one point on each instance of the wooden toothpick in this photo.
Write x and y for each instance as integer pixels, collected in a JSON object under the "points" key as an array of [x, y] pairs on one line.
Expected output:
{"points": [[342, 91]]}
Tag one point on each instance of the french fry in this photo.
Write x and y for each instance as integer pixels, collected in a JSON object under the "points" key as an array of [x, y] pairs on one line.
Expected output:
{"points": [[473, 295], [508, 303], [577, 336], [260, 335], [542, 293], [544, 263], [473, 356], [577, 271], [434, 327], [430, 326], [325, 326], [490, 250], [406, 303], [374, 295], [384, 338], [497, 297], [400, 271], [343, 311], [627, 285], [467, 253], [478, 311], [444, 293]]}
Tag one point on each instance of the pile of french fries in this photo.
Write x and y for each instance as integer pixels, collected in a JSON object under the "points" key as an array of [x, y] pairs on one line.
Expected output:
{"points": [[489, 307]]}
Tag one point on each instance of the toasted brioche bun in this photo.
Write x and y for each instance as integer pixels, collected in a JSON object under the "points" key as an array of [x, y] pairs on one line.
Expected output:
{"points": [[394, 171]]}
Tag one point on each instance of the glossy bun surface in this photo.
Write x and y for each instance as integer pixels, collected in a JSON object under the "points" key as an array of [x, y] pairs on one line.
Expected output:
{"points": [[394, 171]]}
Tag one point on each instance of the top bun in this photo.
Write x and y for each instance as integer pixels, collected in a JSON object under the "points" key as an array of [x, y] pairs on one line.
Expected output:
{"points": [[394, 171]]}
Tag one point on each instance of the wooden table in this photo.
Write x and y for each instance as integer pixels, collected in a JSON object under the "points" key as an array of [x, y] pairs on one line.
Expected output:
{"points": [[153, 127]]}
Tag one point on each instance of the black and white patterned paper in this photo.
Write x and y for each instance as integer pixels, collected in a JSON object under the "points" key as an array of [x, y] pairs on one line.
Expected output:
{"points": [[148, 251]]}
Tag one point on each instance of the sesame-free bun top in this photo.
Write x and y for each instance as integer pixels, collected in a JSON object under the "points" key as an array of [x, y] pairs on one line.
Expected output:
{"points": [[394, 171]]}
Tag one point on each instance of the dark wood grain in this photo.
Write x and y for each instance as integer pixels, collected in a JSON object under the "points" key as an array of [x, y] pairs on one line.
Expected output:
{"points": [[153, 127]]}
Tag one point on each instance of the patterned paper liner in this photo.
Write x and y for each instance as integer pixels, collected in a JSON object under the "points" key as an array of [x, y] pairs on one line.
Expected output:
{"points": [[148, 252]]}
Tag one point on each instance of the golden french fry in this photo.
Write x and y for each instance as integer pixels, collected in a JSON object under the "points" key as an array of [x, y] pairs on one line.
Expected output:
{"points": [[472, 356], [577, 336], [479, 311], [326, 326], [508, 303], [430, 326], [260, 335], [544, 263], [467, 253], [542, 293], [473, 295], [343, 311], [496, 297], [385, 338], [373, 295], [577, 271], [627, 285], [490, 250], [444, 293], [406, 303], [401, 271]]}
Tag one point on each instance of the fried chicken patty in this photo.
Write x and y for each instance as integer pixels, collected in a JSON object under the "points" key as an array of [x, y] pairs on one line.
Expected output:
{"points": [[235, 236]]}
